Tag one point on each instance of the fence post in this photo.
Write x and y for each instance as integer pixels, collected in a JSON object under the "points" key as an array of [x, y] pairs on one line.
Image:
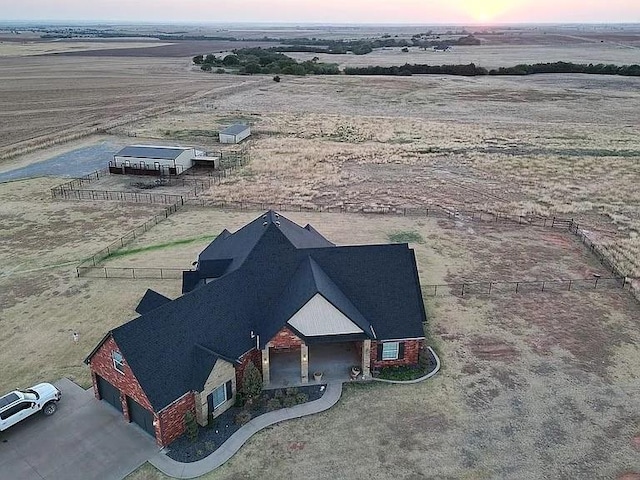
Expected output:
{"points": [[462, 290], [542, 287], [569, 289], [105, 273], [78, 273], [133, 272], [490, 288], [161, 274], [435, 290], [517, 286]]}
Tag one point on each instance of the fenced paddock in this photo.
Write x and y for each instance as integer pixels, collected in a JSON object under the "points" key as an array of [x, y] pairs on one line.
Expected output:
{"points": [[467, 289], [89, 266]]}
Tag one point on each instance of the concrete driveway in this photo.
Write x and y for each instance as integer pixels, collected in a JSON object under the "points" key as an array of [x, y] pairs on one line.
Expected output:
{"points": [[85, 439]]}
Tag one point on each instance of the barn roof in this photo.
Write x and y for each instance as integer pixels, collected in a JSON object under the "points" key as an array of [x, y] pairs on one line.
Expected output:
{"points": [[153, 152], [277, 269], [235, 129]]}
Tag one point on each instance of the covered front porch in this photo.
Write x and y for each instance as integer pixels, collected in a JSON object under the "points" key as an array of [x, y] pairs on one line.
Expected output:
{"points": [[296, 367]]}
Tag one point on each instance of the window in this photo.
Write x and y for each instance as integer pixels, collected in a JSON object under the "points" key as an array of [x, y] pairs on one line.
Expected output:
{"points": [[15, 409], [390, 350], [219, 396], [118, 361]]}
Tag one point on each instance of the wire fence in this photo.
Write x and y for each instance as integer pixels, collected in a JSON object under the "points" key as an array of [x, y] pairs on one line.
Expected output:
{"points": [[465, 289]]}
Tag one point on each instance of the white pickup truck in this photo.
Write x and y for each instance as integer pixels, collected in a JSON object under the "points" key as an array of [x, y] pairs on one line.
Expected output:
{"points": [[17, 405]]}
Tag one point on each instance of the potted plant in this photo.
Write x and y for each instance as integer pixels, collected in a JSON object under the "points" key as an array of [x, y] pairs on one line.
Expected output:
{"points": [[317, 376]]}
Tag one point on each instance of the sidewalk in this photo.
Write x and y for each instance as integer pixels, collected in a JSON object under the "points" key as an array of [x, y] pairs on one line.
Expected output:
{"points": [[175, 469]]}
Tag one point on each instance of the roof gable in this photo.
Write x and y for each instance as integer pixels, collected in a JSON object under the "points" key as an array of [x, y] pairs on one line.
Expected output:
{"points": [[150, 301], [318, 317]]}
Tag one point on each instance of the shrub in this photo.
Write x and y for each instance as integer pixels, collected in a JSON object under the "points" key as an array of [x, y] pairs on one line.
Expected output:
{"points": [[291, 391], [221, 70], [274, 404], [242, 417], [206, 67], [191, 426], [405, 50], [278, 393], [301, 398], [212, 421], [289, 401], [251, 383], [276, 79]]}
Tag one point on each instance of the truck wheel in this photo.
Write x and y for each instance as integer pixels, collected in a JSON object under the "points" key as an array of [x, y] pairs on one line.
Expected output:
{"points": [[50, 408]]}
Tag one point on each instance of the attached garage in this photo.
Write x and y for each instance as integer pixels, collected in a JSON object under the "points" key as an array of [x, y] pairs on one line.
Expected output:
{"points": [[109, 393], [141, 416]]}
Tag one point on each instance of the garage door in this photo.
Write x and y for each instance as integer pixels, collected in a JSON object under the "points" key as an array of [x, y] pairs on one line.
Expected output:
{"points": [[140, 415], [109, 393]]}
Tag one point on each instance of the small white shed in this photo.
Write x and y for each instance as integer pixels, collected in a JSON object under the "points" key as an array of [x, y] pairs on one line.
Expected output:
{"points": [[235, 133], [172, 160]]}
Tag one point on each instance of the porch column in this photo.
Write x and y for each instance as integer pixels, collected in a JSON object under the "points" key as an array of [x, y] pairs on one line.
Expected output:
{"points": [[265, 366], [366, 358], [304, 363]]}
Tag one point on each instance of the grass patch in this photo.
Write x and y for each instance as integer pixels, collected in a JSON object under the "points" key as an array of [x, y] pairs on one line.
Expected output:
{"points": [[160, 246], [407, 236]]}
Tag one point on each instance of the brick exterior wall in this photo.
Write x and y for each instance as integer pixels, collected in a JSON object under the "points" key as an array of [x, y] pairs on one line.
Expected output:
{"points": [[102, 364], [171, 419], [285, 339], [254, 356], [411, 353]]}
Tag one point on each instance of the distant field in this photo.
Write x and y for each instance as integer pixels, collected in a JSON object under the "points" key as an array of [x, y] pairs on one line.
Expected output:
{"points": [[489, 56], [38, 47], [47, 100]]}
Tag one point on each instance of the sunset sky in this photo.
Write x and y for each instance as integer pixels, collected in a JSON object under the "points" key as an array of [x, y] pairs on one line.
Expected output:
{"points": [[327, 11]]}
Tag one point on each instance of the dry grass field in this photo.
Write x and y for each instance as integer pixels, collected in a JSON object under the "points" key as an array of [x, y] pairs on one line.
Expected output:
{"points": [[520, 146], [535, 385]]}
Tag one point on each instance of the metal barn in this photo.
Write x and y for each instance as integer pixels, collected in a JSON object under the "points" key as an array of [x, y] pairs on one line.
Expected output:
{"points": [[152, 160], [235, 133]]}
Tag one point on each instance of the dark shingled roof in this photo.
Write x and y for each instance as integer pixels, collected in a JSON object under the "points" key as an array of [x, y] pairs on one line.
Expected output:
{"points": [[276, 268], [236, 129], [150, 301], [153, 152]]}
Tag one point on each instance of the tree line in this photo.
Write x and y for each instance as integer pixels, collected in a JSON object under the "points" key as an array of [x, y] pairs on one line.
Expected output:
{"points": [[471, 69], [258, 60]]}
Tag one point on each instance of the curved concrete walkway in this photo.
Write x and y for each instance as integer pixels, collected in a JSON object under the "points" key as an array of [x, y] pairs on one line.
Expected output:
{"points": [[175, 469]]}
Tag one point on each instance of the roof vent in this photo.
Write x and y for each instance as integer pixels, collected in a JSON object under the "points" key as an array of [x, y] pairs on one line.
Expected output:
{"points": [[277, 215], [264, 224], [277, 223]]}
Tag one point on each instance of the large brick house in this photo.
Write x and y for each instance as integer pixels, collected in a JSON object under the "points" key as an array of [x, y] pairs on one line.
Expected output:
{"points": [[271, 287]]}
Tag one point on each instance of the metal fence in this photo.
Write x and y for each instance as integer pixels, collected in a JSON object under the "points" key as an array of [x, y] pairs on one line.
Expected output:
{"points": [[114, 195], [131, 273], [464, 289], [78, 183]]}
